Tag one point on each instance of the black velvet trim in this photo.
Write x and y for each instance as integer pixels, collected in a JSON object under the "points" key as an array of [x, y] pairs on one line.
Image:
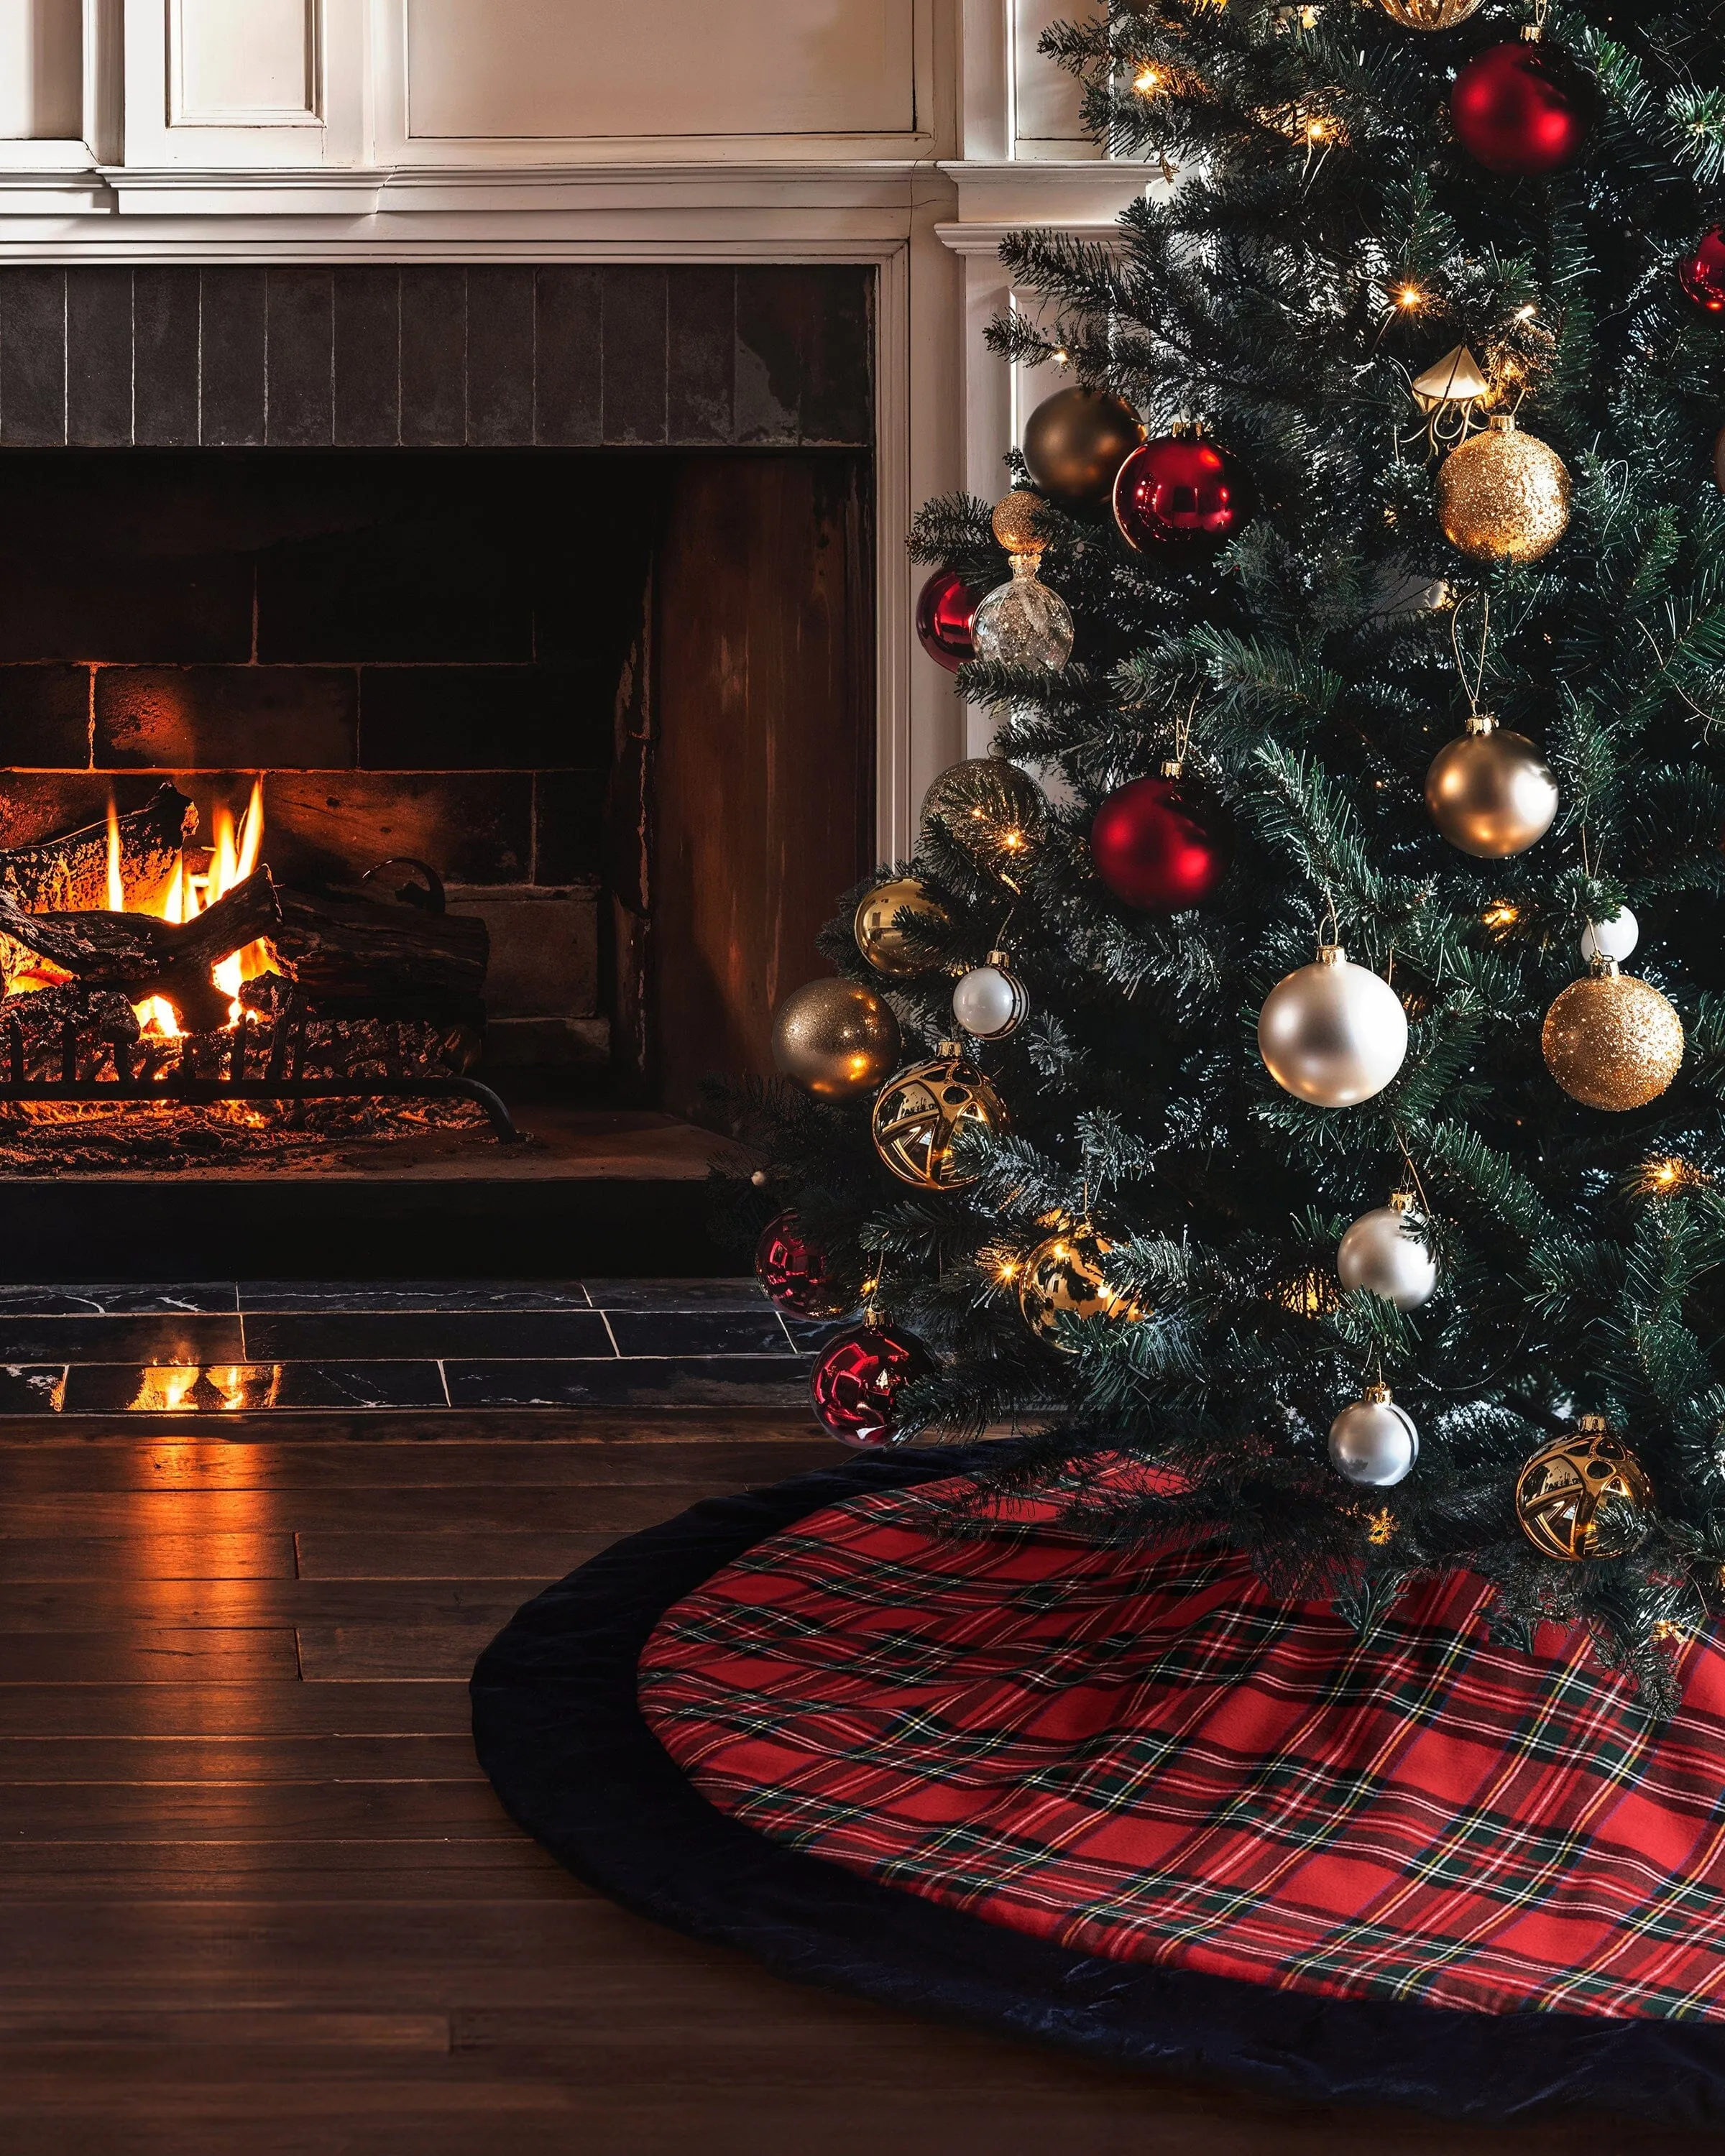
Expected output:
{"points": [[558, 1729]]}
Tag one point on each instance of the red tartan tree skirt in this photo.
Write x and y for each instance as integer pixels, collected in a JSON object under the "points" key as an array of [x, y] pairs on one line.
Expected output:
{"points": [[1146, 1758]]}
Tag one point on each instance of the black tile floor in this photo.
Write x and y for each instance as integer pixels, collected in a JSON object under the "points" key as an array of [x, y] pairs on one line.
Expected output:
{"points": [[222, 1345]]}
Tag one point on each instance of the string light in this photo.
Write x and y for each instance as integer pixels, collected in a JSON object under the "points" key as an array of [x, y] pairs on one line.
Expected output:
{"points": [[1149, 80], [1501, 916], [1382, 1529], [1668, 1177], [1409, 298]]}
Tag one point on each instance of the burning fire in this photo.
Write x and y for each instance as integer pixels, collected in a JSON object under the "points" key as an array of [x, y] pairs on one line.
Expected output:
{"points": [[233, 856]]}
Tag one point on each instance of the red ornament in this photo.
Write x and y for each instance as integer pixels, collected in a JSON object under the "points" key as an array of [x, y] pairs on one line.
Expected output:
{"points": [[1703, 274], [944, 614], [1524, 109], [858, 1379], [1182, 494], [1161, 845], [795, 1273]]}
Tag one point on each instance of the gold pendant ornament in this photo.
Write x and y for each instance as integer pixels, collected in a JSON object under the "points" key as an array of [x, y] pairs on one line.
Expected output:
{"points": [[1429, 14], [1063, 1276], [1612, 1042], [1016, 522], [1504, 496], [894, 924], [836, 1038], [1452, 394], [1492, 793], [1578, 1498], [919, 1114], [991, 810]]}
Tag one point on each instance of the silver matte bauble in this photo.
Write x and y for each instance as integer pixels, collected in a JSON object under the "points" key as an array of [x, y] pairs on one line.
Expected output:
{"points": [[1022, 623], [990, 1001], [1383, 1252], [1332, 1034], [1492, 793], [1374, 1442], [1615, 938]]}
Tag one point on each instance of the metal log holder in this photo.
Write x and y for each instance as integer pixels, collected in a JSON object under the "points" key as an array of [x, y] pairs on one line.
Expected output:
{"points": [[283, 1078]]}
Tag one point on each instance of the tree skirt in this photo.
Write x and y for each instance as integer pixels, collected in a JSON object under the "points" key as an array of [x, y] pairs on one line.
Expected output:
{"points": [[1131, 1804]]}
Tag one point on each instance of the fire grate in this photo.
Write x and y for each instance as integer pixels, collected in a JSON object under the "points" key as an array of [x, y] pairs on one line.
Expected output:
{"points": [[283, 1078]]}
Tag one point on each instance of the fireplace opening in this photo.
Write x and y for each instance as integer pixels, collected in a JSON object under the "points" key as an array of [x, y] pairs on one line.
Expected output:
{"points": [[400, 780]]}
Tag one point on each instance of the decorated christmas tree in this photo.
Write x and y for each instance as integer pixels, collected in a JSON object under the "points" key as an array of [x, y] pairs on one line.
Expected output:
{"points": [[1286, 1088]]}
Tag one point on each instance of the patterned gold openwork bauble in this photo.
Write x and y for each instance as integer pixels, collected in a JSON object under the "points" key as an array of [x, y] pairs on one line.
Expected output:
{"points": [[1015, 522], [1504, 495], [895, 922], [1612, 1041], [1063, 1276], [836, 1038], [989, 809], [1429, 14], [919, 1114], [1579, 1497]]}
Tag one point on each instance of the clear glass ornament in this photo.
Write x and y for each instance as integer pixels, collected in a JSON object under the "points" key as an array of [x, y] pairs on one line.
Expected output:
{"points": [[1023, 624]]}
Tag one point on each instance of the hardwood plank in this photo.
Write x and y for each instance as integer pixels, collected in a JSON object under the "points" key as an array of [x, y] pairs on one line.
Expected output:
{"points": [[107, 1605], [147, 1654], [108, 1813], [233, 1556], [142, 1763], [285, 1707], [337, 1653], [581, 1511], [89, 1873], [242, 2030], [531, 1557]]}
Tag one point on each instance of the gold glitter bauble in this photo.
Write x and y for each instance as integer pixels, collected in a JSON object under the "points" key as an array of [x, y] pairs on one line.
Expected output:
{"points": [[836, 1038], [1064, 1277], [1075, 442], [887, 939], [1579, 1497], [1492, 793], [1015, 522], [1504, 496], [1430, 15], [920, 1113], [1612, 1041], [989, 809]]}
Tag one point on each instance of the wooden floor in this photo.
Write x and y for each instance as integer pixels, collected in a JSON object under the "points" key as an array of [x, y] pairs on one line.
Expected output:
{"points": [[255, 1897]]}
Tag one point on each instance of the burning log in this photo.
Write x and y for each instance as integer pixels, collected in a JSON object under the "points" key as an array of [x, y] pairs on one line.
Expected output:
{"points": [[70, 875], [60, 1030], [348, 954], [142, 957]]}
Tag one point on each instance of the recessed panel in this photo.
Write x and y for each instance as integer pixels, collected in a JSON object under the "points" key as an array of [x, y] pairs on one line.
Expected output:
{"points": [[251, 65], [41, 70], [546, 69]]}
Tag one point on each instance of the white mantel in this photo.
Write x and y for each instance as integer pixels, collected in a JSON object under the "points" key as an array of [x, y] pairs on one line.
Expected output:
{"points": [[907, 134]]}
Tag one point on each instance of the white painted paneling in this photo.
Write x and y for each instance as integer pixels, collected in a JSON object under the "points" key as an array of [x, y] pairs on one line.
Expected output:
{"points": [[569, 70], [41, 70], [243, 63], [1046, 98]]}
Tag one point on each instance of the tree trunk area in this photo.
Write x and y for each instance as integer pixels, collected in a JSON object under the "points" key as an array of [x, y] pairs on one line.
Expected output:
{"points": [[761, 760]]}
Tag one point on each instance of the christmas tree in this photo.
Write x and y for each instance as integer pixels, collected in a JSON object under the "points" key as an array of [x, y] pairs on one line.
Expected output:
{"points": [[1376, 506]]}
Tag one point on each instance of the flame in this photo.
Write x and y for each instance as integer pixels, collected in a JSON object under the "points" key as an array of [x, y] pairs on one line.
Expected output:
{"points": [[117, 881], [236, 857]]}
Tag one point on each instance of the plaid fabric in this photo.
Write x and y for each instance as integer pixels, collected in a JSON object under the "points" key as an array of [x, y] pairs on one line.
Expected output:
{"points": [[1144, 1758]]}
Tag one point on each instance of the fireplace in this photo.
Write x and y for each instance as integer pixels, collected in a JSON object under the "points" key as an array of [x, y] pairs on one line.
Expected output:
{"points": [[407, 678]]}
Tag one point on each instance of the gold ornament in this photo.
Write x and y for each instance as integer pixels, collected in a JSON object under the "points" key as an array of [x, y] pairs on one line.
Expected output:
{"points": [[1504, 496], [1457, 378], [891, 943], [1612, 1042], [1492, 793], [1075, 442], [1064, 1277], [921, 1112], [1579, 1497], [1429, 14], [989, 809], [1015, 522], [836, 1038]]}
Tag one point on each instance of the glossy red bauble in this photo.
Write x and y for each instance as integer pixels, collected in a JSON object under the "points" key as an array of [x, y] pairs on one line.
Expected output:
{"points": [[794, 1272], [1523, 109], [1181, 495], [857, 1382], [1161, 845], [1703, 274], [944, 614]]}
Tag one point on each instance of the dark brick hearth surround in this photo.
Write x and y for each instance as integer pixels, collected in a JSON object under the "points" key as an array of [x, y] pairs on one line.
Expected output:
{"points": [[423, 651]]}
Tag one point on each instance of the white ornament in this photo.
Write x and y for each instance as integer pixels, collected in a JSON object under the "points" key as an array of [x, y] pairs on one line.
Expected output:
{"points": [[1375, 1441], [1615, 938], [990, 1002], [1383, 1252], [1334, 1034], [1022, 623]]}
